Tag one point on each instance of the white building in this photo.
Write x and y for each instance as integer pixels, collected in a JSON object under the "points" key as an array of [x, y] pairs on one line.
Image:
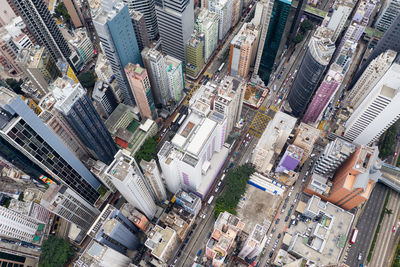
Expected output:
{"points": [[162, 242], [254, 243], [378, 111], [207, 23], [17, 226], [272, 141], [153, 176], [175, 78], [339, 18], [127, 178], [224, 10], [375, 70]]}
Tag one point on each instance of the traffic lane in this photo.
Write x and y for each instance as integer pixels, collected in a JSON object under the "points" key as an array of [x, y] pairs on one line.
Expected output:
{"points": [[366, 225]]}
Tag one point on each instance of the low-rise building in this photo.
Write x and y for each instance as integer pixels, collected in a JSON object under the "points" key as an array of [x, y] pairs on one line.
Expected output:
{"points": [[305, 138], [290, 159], [179, 220], [135, 216], [189, 201], [162, 242]]}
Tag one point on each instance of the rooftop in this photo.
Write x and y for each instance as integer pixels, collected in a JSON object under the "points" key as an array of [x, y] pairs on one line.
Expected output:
{"points": [[161, 242], [122, 167]]}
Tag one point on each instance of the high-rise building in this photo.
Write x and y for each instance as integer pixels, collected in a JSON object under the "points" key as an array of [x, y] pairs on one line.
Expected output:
{"points": [[273, 38], [139, 25], [114, 27], [17, 226], [83, 46], [127, 178], [7, 13], [324, 94], [371, 75], [223, 8], [319, 52], [39, 67], [148, 9], [153, 176], [105, 101], [194, 55], [74, 12], [298, 15], [114, 230], [25, 131], [388, 16], [334, 154], [243, 50], [207, 23], [236, 12], [378, 110], [339, 17], [41, 24], [62, 201], [140, 85], [175, 24], [77, 109], [175, 75]]}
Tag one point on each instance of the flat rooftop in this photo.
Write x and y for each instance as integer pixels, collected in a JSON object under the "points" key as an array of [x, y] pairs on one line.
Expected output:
{"points": [[159, 240], [121, 167]]}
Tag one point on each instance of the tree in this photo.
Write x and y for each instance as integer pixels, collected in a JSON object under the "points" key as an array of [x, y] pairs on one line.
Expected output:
{"points": [[21, 196], [61, 10], [306, 26], [15, 85], [147, 151], [55, 252], [298, 38], [87, 79], [388, 211]]}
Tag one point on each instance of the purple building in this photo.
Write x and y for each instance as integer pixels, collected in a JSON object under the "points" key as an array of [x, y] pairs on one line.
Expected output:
{"points": [[323, 95], [290, 159]]}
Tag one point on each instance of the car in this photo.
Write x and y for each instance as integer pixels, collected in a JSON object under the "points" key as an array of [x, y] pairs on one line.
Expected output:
{"points": [[286, 200], [395, 153], [287, 218], [290, 193], [297, 195], [394, 229], [279, 236], [270, 254], [277, 221], [175, 261], [273, 230], [284, 206], [283, 210], [360, 256], [270, 235]]}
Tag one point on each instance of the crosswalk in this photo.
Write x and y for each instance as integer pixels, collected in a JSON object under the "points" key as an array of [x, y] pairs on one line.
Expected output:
{"points": [[259, 122]]}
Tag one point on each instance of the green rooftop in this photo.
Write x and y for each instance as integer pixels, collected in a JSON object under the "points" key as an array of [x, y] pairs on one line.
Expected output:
{"points": [[133, 126], [36, 238], [41, 227]]}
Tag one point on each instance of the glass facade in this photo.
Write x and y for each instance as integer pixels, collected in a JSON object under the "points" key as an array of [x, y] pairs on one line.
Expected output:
{"points": [[276, 28]]}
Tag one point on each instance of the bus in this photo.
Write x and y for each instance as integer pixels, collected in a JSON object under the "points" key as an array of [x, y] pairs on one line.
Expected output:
{"points": [[221, 67], [354, 236], [181, 120], [210, 200], [175, 118]]}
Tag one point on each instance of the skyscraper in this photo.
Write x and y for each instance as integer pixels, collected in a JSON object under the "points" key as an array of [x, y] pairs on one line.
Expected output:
{"points": [[148, 9], [389, 14], [176, 81], [140, 84], [74, 11], [128, 179], [273, 38], [114, 27], [207, 23], [319, 52], [175, 24], [224, 10], [77, 108], [24, 130], [139, 24], [194, 55], [41, 24], [379, 109], [153, 176]]}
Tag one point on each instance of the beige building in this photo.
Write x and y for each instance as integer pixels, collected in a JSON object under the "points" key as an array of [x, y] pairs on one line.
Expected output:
{"points": [[305, 138], [162, 242], [74, 11]]}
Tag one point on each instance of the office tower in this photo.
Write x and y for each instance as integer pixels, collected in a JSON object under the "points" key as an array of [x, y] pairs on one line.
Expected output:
{"points": [[139, 25], [254, 243], [176, 81], [114, 27], [175, 25], [207, 23], [378, 110], [154, 62], [319, 52], [236, 12], [74, 12], [324, 94], [354, 180], [390, 40], [99, 255], [229, 100], [7, 13], [296, 21], [64, 202], [104, 99], [83, 45], [194, 56], [41, 24], [39, 67], [290, 159], [189, 201], [243, 50], [77, 109], [272, 142], [153, 176], [371, 75], [114, 230], [223, 8], [148, 9], [276, 26], [334, 154], [129, 181], [26, 132], [17, 226], [262, 16], [339, 18], [388, 16], [140, 84]]}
